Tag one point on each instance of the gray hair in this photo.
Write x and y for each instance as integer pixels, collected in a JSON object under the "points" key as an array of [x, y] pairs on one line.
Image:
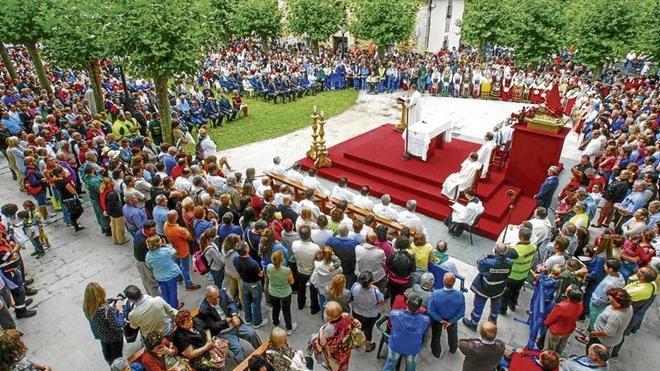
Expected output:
{"points": [[211, 289], [385, 199], [411, 205], [160, 198], [119, 364], [343, 229], [500, 249], [90, 153]]}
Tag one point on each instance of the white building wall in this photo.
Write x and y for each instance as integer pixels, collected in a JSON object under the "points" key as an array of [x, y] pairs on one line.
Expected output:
{"points": [[444, 30]]}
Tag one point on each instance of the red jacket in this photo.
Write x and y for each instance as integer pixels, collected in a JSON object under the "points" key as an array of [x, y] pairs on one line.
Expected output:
{"points": [[562, 318]]}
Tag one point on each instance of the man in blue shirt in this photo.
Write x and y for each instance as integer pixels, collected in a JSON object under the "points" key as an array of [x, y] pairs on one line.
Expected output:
{"points": [[344, 248], [408, 328], [169, 160], [134, 215], [446, 306], [633, 202], [11, 122]]}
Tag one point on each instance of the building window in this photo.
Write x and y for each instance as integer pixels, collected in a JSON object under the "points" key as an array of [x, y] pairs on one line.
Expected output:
{"points": [[447, 25], [449, 8]]}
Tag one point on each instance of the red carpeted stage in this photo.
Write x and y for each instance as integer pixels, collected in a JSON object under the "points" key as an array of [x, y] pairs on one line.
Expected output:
{"points": [[374, 158]]}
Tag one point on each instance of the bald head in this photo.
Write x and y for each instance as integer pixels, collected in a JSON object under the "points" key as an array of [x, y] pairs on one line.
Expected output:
{"points": [[449, 280], [333, 310], [371, 237], [172, 216], [488, 331], [278, 338]]}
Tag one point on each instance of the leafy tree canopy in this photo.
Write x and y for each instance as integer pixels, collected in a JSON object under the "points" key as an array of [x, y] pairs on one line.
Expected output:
{"points": [[163, 37], [263, 17], [601, 29], [483, 21], [385, 22], [79, 32], [21, 20], [319, 19]]}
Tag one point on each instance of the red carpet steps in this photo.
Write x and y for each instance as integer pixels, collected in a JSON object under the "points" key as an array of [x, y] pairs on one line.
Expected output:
{"points": [[374, 158]]}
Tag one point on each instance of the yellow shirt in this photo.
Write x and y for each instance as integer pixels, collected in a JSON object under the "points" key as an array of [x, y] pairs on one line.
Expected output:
{"points": [[422, 254], [640, 291]]}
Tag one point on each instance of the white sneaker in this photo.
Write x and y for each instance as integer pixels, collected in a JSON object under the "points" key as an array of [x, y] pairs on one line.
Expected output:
{"points": [[294, 326], [263, 323]]}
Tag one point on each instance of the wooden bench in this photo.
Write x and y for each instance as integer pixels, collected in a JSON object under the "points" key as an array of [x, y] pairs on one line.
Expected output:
{"points": [[299, 189], [357, 211], [261, 351]]}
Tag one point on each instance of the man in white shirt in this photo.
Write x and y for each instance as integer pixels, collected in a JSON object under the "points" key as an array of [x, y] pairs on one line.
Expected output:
{"points": [[150, 314], [321, 235], [265, 185], [311, 181], [464, 216], [340, 191], [305, 252], [276, 167], [595, 147], [308, 203], [384, 209], [541, 226], [362, 200], [207, 145], [294, 173], [408, 217], [370, 258], [182, 182]]}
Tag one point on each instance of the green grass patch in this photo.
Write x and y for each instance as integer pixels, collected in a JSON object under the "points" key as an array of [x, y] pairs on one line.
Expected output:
{"points": [[268, 120]]}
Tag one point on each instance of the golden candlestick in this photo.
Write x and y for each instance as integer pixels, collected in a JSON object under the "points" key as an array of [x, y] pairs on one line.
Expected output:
{"points": [[322, 159], [313, 150]]}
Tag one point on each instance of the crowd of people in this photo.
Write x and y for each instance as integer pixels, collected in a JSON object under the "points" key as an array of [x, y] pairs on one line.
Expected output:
{"points": [[188, 212]]}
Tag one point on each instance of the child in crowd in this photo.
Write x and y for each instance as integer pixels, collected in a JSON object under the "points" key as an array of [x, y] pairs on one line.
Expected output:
{"points": [[31, 231], [33, 212]]}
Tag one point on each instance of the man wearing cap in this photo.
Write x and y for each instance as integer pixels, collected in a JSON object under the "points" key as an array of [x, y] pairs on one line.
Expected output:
{"points": [[490, 283], [544, 196]]}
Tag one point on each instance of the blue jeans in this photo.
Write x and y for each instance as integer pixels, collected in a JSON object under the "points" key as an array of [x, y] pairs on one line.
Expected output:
{"points": [[393, 359], [218, 277], [168, 291], [66, 217], [252, 301], [234, 337], [36, 242], [321, 301], [184, 264], [479, 303]]}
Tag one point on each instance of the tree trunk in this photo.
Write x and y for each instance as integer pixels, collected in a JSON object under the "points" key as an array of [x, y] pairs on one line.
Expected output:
{"points": [[482, 49], [164, 107], [39, 66], [95, 80], [315, 48], [6, 60], [381, 51], [598, 70], [264, 42]]}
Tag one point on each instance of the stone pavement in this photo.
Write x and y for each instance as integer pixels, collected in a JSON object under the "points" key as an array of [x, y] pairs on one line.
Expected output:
{"points": [[60, 336]]}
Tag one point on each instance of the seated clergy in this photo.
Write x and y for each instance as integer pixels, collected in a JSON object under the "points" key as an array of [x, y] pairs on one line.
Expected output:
{"points": [[485, 152], [464, 216], [340, 191], [385, 209], [464, 179]]}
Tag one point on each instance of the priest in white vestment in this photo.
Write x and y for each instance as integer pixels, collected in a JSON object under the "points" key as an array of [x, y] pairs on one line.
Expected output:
{"points": [[340, 191], [463, 179], [485, 152], [414, 105]]}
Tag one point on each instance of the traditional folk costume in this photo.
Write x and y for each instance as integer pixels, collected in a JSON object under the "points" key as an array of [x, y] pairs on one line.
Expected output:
{"points": [[507, 84], [457, 80], [445, 82], [536, 91], [486, 85], [517, 89], [436, 78], [476, 82], [527, 87], [497, 81], [465, 91]]}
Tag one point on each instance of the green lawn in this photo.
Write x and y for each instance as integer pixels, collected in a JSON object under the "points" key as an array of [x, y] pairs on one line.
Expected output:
{"points": [[268, 120]]}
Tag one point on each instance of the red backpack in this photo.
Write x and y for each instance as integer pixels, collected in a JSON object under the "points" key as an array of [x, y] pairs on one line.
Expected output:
{"points": [[29, 188]]}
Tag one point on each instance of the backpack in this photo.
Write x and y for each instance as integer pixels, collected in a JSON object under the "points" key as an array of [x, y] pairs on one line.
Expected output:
{"points": [[29, 188], [200, 264]]}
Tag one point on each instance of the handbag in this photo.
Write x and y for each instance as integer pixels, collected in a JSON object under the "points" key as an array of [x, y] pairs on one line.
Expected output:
{"points": [[73, 205], [357, 338], [57, 205]]}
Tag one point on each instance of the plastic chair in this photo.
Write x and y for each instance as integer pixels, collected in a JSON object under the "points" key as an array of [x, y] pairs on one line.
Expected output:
{"points": [[439, 275], [381, 325], [470, 226]]}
